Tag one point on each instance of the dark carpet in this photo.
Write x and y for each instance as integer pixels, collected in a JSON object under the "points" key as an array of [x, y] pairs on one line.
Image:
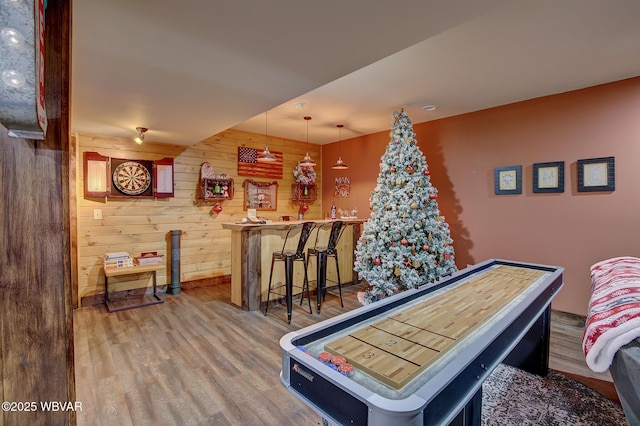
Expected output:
{"points": [[514, 397]]}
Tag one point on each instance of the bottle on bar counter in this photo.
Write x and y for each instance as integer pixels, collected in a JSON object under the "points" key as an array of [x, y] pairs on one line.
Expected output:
{"points": [[333, 210]]}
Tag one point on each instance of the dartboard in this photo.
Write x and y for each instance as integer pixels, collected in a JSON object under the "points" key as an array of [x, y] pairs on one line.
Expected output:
{"points": [[132, 178]]}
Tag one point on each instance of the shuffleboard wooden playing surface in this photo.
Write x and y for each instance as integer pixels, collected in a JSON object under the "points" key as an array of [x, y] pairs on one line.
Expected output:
{"points": [[398, 348]]}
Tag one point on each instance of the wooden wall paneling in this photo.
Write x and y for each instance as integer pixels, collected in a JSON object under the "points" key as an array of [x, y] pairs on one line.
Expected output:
{"points": [[37, 351], [142, 225]]}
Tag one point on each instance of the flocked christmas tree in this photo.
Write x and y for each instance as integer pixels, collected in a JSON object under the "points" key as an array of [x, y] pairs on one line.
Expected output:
{"points": [[405, 242]]}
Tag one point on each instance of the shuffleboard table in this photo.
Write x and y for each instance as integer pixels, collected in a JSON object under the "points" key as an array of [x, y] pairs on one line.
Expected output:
{"points": [[421, 356]]}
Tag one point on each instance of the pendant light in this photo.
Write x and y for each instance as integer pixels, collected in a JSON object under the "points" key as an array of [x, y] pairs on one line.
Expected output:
{"points": [[340, 164], [307, 161], [266, 156]]}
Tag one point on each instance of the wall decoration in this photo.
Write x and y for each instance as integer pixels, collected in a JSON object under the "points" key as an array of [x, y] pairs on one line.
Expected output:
{"points": [[248, 164], [22, 90], [343, 187], [596, 174], [304, 175], [106, 177], [302, 192], [260, 195], [214, 188], [548, 177], [206, 171], [131, 177], [508, 180]]}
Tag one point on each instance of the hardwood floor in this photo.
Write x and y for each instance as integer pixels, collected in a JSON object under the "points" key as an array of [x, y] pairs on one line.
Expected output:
{"points": [[197, 359]]}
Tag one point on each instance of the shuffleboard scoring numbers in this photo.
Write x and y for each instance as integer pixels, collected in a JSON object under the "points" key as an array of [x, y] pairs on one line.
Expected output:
{"points": [[131, 178]]}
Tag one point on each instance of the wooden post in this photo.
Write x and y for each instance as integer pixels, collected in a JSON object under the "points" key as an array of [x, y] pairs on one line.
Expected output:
{"points": [[36, 313]]}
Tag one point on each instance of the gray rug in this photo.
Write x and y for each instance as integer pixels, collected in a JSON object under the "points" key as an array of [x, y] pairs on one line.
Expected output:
{"points": [[552, 400]]}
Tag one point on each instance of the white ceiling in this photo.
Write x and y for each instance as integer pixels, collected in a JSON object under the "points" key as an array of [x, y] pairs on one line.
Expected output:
{"points": [[190, 69]]}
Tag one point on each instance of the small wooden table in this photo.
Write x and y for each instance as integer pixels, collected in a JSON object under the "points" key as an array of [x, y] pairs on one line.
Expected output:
{"points": [[137, 269]]}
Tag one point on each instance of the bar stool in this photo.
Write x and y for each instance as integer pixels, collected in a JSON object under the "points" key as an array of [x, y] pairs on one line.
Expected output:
{"points": [[322, 253], [289, 257]]}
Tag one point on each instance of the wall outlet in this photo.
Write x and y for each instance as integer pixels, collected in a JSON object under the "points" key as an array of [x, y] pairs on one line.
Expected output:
{"points": [[97, 214]]}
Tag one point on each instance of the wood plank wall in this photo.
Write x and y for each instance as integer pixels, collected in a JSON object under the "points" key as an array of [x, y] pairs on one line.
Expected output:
{"points": [[36, 314], [141, 225]]}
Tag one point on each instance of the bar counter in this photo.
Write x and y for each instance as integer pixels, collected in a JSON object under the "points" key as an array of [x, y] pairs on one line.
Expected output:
{"points": [[253, 244]]}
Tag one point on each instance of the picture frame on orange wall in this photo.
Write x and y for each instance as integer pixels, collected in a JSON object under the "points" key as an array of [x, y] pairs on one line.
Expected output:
{"points": [[508, 180], [596, 174], [548, 177]]}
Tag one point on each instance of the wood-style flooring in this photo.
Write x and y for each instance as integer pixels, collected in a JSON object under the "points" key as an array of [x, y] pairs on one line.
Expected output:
{"points": [[198, 360]]}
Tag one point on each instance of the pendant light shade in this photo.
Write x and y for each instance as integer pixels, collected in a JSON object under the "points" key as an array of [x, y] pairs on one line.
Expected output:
{"points": [[340, 165], [265, 156], [307, 161]]}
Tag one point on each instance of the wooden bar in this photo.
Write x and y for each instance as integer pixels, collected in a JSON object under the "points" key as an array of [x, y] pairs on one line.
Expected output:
{"points": [[251, 249]]}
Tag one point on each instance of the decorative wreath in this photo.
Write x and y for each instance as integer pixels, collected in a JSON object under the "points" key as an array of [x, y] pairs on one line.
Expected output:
{"points": [[304, 174]]}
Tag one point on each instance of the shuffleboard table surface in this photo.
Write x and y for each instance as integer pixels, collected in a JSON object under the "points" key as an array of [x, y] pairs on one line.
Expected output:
{"points": [[398, 348]]}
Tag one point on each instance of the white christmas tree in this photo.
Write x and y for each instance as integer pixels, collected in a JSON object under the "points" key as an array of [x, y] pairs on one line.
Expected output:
{"points": [[405, 242]]}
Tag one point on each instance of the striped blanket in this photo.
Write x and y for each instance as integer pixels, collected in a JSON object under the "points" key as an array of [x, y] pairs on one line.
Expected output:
{"points": [[614, 310]]}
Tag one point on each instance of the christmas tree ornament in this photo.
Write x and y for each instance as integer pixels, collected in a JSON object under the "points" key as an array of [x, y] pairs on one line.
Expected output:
{"points": [[404, 242], [377, 261], [414, 205], [433, 196], [392, 169], [427, 172], [397, 272], [425, 247], [416, 263]]}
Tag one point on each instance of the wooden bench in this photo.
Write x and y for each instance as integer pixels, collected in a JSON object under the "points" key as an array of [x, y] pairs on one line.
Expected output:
{"points": [[136, 269]]}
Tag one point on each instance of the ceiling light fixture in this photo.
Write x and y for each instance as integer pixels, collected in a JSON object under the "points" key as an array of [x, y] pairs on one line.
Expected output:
{"points": [[340, 164], [266, 156], [307, 161], [140, 138]]}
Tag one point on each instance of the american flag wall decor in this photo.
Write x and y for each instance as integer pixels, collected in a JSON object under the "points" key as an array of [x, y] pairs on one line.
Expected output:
{"points": [[248, 164]]}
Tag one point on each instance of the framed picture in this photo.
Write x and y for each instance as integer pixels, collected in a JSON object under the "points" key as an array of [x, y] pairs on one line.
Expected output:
{"points": [[260, 195], [548, 177], [508, 180], [596, 174]]}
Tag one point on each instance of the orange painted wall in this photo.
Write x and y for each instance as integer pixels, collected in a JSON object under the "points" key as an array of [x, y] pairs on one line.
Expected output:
{"points": [[571, 229]]}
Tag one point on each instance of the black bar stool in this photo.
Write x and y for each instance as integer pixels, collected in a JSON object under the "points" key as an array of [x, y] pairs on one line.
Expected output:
{"points": [[322, 253], [289, 257]]}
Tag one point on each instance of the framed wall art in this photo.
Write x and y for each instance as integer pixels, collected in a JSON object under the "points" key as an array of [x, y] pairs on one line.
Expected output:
{"points": [[260, 195], [548, 177], [508, 180], [596, 174]]}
